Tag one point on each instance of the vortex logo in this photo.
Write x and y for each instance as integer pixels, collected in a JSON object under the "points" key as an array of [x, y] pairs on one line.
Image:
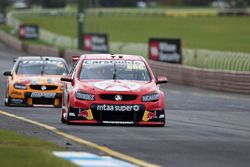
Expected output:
{"points": [[118, 97]]}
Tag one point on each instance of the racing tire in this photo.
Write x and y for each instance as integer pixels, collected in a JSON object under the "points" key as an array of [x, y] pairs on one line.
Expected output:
{"points": [[7, 99], [68, 117], [62, 119]]}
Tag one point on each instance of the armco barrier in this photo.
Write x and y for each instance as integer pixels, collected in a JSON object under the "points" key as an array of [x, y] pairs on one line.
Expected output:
{"points": [[41, 50], [10, 41], [31, 49], [238, 82]]}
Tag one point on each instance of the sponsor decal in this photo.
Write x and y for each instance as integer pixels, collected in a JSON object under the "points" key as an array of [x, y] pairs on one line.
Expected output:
{"points": [[119, 122], [49, 81], [113, 61], [148, 115], [130, 65], [25, 81], [34, 82], [42, 94], [27, 31], [17, 101], [117, 85], [167, 50], [86, 114], [151, 97], [24, 62], [96, 42], [118, 108]]}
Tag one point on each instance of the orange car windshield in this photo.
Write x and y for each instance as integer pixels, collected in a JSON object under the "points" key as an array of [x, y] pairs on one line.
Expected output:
{"points": [[41, 67]]}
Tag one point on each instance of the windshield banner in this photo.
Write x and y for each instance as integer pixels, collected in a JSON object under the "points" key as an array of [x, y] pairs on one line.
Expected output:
{"points": [[166, 50], [96, 43]]}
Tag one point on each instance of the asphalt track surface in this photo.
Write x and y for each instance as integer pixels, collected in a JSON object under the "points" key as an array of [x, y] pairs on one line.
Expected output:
{"points": [[204, 128]]}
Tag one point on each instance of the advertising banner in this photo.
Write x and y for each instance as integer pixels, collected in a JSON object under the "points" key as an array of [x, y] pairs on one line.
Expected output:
{"points": [[27, 31], [96, 43], [166, 50]]}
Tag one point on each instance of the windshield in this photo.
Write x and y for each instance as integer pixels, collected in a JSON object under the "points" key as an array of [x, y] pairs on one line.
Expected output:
{"points": [[41, 67], [114, 69]]}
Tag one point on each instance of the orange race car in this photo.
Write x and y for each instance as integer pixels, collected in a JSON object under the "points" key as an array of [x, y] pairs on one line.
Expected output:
{"points": [[35, 81]]}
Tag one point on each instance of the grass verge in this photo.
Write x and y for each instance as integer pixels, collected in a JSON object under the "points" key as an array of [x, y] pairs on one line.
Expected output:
{"points": [[23, 151], [215, 33]]}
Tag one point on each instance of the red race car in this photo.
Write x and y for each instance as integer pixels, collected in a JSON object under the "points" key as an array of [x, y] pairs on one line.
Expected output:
{"points": [[112, 89]]}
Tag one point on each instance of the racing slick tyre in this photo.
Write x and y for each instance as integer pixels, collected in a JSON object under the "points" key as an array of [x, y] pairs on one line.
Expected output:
{"points": [[68, 117], [62, 119], [7, 99]]}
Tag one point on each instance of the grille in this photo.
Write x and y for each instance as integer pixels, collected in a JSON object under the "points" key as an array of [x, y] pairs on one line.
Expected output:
{"points": [[112, 97], [117, 116], [43, 101], [100, 116], [39, 87]]}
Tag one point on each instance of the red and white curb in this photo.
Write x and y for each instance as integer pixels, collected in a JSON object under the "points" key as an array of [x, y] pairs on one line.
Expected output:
{"points": [[85, 159]]}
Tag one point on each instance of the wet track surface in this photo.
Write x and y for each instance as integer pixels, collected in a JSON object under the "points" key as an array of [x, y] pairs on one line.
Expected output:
{"points": [[205, 128]]}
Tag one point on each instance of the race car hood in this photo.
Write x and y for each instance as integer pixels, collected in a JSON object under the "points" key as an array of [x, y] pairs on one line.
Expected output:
{"points": [[118, 86], [38, 80]]}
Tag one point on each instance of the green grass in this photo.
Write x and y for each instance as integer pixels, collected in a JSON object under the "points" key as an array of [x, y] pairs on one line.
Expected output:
{"points": [[5, 28], [22, 151], [215, 33]]}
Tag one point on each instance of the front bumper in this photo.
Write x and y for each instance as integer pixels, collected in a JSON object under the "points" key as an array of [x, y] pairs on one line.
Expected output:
{"points": [[117, 115], [37, 99]]}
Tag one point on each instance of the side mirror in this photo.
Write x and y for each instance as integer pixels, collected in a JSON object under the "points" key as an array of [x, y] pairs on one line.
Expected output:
{"points": [[66, 79], [7, 73], [161, 80]]}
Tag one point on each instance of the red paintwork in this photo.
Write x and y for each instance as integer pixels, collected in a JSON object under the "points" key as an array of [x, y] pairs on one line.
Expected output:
{"points": [[89, 86]]}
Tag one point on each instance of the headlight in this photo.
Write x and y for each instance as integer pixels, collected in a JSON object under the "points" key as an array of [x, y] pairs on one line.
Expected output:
{"points": [[84, 96], [20, 86], [151, 97]]}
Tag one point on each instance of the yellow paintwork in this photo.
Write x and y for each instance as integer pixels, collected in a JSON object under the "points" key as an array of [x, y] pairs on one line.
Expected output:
{"points": [[28, 80]]}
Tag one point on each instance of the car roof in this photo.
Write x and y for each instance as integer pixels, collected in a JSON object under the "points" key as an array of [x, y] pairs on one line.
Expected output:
{"points": [[111, 57], [40, 58]]}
